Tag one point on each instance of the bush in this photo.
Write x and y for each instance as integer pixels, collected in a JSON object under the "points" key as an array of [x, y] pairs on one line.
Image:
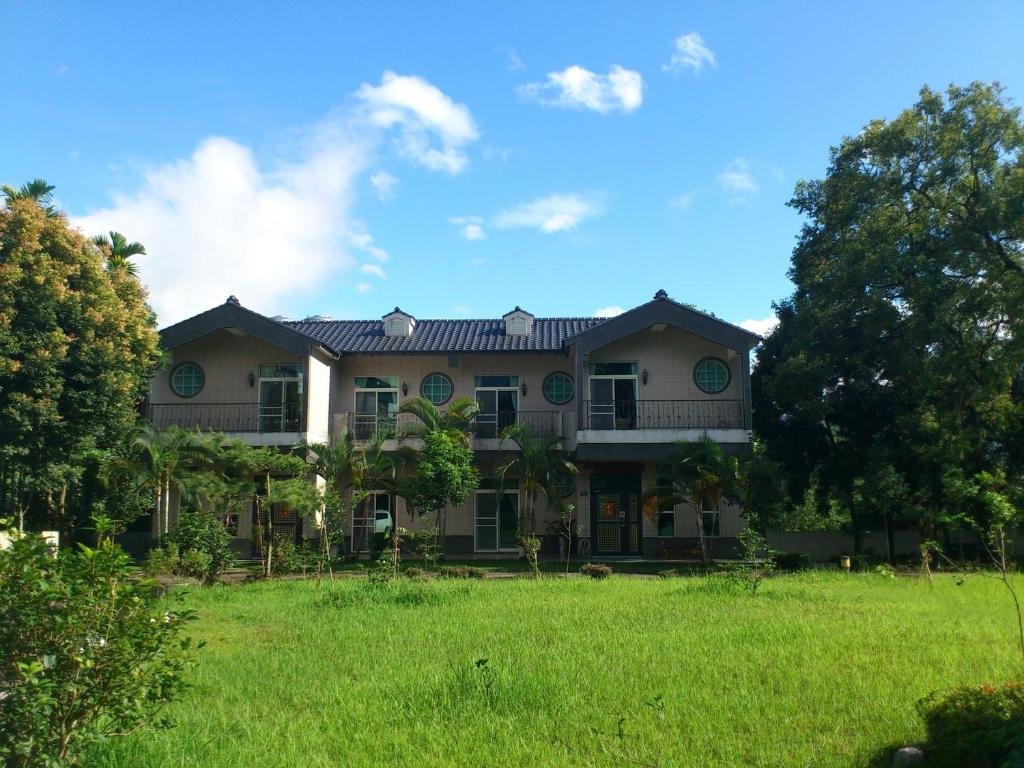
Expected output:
{"points": [[162, 561], [792, 561], [201, 533], [596, 570], [461, 572], [292, 558], [84, 653], [975, 725], [417, 574]]}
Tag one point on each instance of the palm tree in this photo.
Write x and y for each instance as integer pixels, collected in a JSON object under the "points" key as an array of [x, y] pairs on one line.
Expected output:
{"points": [[163, 461], [700, 475], [539, 464], [457, 418], [119, 251], [37, 190]]}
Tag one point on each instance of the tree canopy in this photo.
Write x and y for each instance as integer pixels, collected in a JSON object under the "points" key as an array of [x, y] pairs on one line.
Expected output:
{"points": [[891, 386], [77, 347]]}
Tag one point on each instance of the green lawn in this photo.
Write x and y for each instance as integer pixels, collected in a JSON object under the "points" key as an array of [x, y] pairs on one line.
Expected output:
{"points": [[816, 670]]}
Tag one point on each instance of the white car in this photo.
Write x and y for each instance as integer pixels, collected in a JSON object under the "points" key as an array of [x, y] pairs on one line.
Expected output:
{"points": [[382, 521]]}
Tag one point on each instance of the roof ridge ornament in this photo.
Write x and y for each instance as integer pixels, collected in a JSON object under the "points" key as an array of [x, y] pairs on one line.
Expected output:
{"points": [[232, 299], [661, 294]]}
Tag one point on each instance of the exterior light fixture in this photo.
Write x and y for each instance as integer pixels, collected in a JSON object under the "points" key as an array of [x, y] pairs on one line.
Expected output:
{"points": [[405, 389], [523, 388], [251, 378], [645, 376]]}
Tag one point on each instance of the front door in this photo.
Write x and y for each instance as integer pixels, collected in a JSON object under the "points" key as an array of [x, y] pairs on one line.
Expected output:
{"points": [[615, 514]]}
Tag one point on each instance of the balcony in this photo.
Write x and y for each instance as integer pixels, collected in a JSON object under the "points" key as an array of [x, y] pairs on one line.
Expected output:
{"points": [[487, 426], [662, 415], [227, 417]]}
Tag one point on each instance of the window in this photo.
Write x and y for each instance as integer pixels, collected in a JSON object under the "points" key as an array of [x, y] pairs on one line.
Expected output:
{"points": [[437, 388], [376, 406], [187, 380], [498, 398], [374, 516], [281, 397], [613, 369], [711, 520], [497, 519], [558, 388], [612, 396], [563, 485], [711, 375], [666, 510]]}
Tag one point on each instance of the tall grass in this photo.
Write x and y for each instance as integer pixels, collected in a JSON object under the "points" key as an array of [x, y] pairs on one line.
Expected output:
{"points": [[816, 670]]}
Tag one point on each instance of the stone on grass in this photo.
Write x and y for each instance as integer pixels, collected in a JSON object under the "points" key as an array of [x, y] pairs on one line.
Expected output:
{"points": [[908, 757]]}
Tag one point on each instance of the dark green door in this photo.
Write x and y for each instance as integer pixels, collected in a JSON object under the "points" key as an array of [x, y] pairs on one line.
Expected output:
{"points": [[615, 514]]}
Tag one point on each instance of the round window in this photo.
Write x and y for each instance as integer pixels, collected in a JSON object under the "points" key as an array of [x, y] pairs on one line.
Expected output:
{"points": [[563, 485], [187, 379], [437, 388], [558, 388], [711, 375]]}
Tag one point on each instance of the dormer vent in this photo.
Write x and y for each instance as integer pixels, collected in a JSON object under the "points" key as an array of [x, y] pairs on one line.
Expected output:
{"points": [[399, 323], [518, 322]]}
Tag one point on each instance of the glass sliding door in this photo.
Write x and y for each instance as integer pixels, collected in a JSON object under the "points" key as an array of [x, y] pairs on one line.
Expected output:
{"points": [[281, 398], [498, 398], [613, 395], [496, 520], [376, 406]]}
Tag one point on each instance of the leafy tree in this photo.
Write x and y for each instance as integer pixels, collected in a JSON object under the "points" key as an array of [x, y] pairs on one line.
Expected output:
{"points": [[894, 373], [540, 465], [102, 665], [701, 476], [77, 348], [198, 530]]}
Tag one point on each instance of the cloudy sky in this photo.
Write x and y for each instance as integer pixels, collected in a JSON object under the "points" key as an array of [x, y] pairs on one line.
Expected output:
{"points": [[461, 158]]}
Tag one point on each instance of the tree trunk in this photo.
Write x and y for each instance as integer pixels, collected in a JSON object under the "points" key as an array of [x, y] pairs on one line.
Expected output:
{"points": [[700, 534], [269, 564]]}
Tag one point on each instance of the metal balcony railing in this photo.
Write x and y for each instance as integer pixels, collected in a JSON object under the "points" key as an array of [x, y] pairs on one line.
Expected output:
{"points": [[364, 426], [663, 414], [227, 417]]}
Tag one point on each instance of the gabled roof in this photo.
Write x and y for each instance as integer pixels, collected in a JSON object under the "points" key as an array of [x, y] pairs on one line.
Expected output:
{"points": [[231, 314], [663, 310], [353, 336]]}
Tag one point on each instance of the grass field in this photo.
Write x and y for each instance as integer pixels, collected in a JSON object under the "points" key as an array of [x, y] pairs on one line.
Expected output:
{"points": [[816, 670]]}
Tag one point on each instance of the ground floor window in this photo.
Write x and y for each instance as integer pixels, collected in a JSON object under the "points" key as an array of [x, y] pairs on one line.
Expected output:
{"points": [[496, 518], [711, 520], [666, 521], [373, 518]]}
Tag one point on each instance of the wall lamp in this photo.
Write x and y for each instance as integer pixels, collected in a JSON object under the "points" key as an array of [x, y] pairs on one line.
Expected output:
{"points": [[405, 389], [522, 387], [251, 378], [644, 376]]}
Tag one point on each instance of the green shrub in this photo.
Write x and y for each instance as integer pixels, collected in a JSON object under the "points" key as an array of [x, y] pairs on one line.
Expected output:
{"points": [[162, 561], [461, 572], [200, 532], [596, 570], [669, 573], [85, 655], [792, 561], [292, 558], [418, 574], [975, 725]]}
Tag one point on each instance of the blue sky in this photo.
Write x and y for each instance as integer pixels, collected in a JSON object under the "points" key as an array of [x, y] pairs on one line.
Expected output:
{"points": [[457, 159]]}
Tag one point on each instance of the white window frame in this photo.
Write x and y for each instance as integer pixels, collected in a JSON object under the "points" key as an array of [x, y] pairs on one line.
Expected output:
{"points": [[497, 516], [671, 510], [300, 378], [357, 417], [514, 389], [716, 525], [370, 505], [613, 377]]}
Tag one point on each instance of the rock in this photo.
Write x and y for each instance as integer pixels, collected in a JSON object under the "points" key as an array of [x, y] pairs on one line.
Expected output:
{"points": [[908, 757]]}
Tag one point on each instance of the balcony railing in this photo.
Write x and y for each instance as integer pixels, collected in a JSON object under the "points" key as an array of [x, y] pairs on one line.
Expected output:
{"points": [[227, 417], [486, 425], [663, 414]]}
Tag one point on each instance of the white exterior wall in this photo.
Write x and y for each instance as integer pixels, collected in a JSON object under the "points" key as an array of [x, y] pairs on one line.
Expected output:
{"points": [[318, 399]]}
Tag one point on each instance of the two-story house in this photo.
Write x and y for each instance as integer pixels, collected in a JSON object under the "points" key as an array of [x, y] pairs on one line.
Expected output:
{"points": [[619, 392]]}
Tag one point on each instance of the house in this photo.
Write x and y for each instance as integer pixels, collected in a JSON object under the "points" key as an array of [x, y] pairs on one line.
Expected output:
{"points": [[619, 392]]}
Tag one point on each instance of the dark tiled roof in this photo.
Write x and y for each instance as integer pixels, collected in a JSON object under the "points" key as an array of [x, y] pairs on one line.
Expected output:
{"points": [[348, 336]]}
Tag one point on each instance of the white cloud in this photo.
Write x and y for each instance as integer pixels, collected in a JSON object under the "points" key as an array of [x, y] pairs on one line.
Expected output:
{"points": [[372, 269], [470, 227], [579, 88], [684, 201], [462, 309], [554, 213], [738, 180], [385, 185], [420, 110], [222, 222], [363, 287], [761, 327], [613, 311], [689, 51], [218, 223], [513, 61]]}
